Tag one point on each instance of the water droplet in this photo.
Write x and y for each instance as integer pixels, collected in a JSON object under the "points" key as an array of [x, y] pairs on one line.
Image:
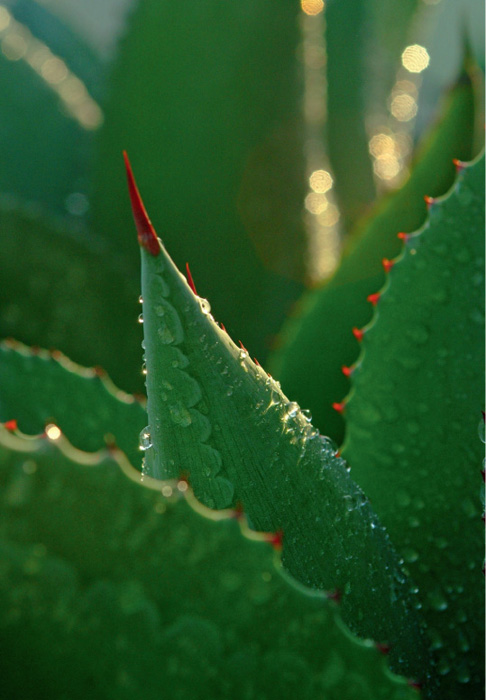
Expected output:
{"points": [[160, 310], [229, 391], [437, 601], [410, 555], [140, 318], [242, 355], [463, 675], [145, 440], [144, 369], [205, 306], [143, 344], [291, 410], [165, 335], [140, 299], [307, 415]]}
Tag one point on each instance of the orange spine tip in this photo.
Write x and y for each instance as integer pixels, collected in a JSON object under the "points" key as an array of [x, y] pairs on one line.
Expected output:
{"points": [[223, 328], [190, 281], [358, 334], [459, 164], [256, 362], [402, 236], [339, 407], [383, 648], [387, 264], [347, 371], [429, 201], [11, 425], [243, 347], [373, 298], [147, 237]]}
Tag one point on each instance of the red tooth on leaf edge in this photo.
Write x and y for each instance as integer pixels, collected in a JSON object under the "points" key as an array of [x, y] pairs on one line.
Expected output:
{"points": [[403, 236], [335, 595], [339, 407], [373, 298], [347, 371], [429, 201], [11, 425], [387, 264], [276, 539], [190, 280], [358, 334], [383, 648], [147, 237], [459, 164]]}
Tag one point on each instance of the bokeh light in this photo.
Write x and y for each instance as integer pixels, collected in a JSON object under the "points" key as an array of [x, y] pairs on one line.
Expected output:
{"points": [[415, 58], [403, 107], [320, 181], [316, 203], [312, 7]]}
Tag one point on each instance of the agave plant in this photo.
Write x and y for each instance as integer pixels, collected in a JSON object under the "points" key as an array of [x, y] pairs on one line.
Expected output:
{"points": [[312, 532]]}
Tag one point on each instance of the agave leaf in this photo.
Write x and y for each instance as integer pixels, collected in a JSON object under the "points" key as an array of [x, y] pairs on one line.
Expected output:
{"points": [[37, 387], [61, 290], [130, 592], [221, 96], [319, 340], [217, 418], [412, 416]]}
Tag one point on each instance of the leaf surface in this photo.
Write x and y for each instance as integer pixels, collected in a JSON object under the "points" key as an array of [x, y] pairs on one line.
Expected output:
{"points": [[412, 419], [72, 296], [218, 419], [130, 592], [37, 388]]}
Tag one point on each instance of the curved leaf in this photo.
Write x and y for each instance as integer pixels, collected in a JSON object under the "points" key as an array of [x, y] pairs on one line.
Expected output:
{"points": [[37, 388], [130, 592], [319, 341], [218, 418], [60, 289], [417, 395]]}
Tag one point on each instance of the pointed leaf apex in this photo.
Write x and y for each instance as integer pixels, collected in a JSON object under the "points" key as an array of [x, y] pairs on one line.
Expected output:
{"points": [[147, 237]]}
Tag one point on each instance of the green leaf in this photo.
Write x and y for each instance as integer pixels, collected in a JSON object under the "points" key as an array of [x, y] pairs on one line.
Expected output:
{"points": [[61, 289], [37, 388], [319, 340], [213, 115], [412, 417], [47, 111], [219, 419], [131, 592]]}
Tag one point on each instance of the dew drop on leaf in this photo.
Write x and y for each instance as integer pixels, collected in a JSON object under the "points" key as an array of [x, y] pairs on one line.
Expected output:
{"points": [[145, 439]]}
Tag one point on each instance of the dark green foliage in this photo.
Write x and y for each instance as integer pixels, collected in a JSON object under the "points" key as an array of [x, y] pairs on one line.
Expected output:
{"points": [[132, 595], [412, 417]]}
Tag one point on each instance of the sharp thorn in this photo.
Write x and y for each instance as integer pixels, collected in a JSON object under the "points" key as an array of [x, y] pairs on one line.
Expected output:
{"points": [[190, 280], [147, 237]]}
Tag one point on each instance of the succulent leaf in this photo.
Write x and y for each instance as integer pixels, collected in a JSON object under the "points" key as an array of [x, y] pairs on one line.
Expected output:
{"points": [[216, 418], [130, 592], [416, 399], [324, 323], [38, 388], [71, 296]]}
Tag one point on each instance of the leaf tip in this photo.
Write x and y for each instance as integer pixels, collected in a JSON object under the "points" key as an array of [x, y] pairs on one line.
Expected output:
{"points": [[147, 237]]}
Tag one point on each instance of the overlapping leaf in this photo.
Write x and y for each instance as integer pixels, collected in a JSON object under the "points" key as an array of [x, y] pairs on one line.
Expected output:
{"points": [[134, 594], [412, 417], [38, 388]]}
